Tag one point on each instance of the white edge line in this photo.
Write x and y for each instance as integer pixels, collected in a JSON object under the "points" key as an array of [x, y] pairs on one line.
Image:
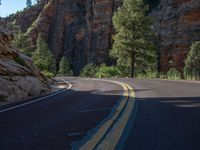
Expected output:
{"points": [[37, 100]]}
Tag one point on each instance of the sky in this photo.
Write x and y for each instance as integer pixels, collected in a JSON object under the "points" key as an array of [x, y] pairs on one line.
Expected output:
{"points": [[11, 6]]}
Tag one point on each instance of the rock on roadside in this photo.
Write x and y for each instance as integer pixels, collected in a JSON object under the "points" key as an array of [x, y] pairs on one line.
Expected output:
{"points": [[19, 79]]}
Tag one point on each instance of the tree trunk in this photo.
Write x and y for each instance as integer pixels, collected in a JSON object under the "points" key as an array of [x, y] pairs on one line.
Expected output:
{"points": [[132, 65]]}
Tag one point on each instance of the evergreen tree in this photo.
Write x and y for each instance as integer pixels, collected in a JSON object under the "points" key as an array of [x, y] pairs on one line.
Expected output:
{"points": [[192, 62], [64, 67], [132, 42], [28, 3], [43, 57], [23, 43], [89, 70]]}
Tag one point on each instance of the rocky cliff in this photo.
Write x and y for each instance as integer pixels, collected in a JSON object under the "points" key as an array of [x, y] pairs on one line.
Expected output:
{"points": [[79, 29], [19, 79], [82, 29], [177, 23]]}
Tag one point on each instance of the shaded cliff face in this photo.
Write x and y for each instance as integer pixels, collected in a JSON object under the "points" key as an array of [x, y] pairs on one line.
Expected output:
{"points": [[177, 23], [19, 79], [82, 29], [79, 29]]}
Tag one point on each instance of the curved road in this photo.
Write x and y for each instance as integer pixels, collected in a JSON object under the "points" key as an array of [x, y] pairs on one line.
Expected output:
{"points": [[53, 123], [166, 116]]}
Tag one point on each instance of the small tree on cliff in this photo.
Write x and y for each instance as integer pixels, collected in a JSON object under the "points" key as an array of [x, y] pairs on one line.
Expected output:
{"points": [[192, 62], [28, 3], [22, 42], [64, 67], [43, 57], [132, 45]]}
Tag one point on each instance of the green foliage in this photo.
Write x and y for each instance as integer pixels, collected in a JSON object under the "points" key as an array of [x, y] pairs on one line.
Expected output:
{"points": [[64, 67], [173, 74], [23, 43], [107, 72], [48, 74], [125, 71], [151, 74], [89, 70], [133, 46], [43, 57], [28, 3], [33, 25], [20, 61], [192, 62]]}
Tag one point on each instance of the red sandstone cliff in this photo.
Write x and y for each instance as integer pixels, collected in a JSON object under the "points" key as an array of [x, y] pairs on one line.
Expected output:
{"points": [[177, 23], [82, 29]]}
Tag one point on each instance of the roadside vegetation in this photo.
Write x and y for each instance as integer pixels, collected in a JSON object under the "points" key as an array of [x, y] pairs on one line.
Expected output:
{"points": [[22, 42], [64, 67], [192, 62], [133, 45], [134, 52], [42, 57]]}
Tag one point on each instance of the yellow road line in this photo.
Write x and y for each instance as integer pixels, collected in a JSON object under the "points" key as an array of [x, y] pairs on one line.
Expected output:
{"points": [[113, 135]]}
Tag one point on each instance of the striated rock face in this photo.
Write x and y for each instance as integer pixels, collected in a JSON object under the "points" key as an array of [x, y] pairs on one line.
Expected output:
{"points": [[24, 19], [79, 29], [177, 23], [82, 29], [19, 79]]}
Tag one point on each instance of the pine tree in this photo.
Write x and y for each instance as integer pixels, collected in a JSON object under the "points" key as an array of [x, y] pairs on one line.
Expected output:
{"points": [[132, 42], [64, 67], [28, 3], [192, 62], [43, 57], [23, 43]]}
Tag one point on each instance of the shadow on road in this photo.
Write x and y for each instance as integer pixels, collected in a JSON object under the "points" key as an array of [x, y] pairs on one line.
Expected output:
{"points": [[55, 122], [165, 123]]}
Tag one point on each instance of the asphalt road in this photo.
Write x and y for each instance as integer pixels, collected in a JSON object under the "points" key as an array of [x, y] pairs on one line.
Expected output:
{"points": [[53, 123], [167, 116]]}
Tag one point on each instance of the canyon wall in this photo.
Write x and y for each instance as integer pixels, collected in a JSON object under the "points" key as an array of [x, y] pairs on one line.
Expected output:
{"points": [[82, 30], [177, 23]]}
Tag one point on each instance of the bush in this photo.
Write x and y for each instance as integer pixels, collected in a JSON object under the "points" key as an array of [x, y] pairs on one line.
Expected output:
{"points": [[89, 70], [42, 57], [192, 62], [20, 61], [173, 74], [107, 72], [23, 43], [48, 74], [151, 74], [64, 67]]}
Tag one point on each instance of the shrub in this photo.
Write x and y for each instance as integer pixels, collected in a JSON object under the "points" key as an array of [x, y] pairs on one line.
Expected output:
{"points": [[151, 74], [42, 57], [173, 74], [89, 70], [107, 72], [48, 74], [20, 61], [23, 43], [192, 62], [64, 67]]}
